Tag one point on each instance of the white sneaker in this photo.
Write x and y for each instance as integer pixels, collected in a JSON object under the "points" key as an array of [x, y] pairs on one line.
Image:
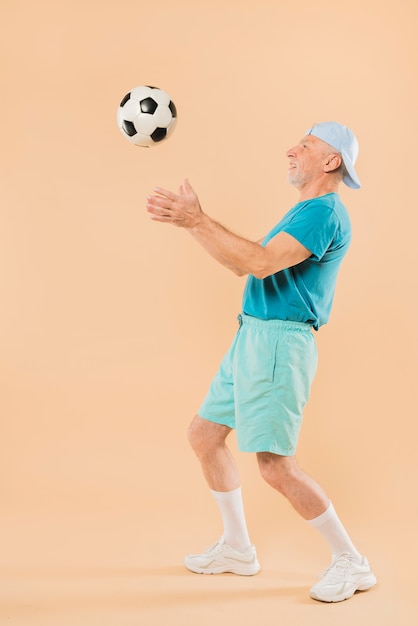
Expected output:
{"points": [[222, 558], [342, 579]]}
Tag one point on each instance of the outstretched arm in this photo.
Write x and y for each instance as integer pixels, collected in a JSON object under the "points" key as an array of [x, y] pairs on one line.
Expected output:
{"points": [[238, 254], [183, 210]]}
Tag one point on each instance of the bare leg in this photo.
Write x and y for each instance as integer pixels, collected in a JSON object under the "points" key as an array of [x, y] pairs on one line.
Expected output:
{"points": [[208, 442], [309, 499], [220, 471], [284, 474]]}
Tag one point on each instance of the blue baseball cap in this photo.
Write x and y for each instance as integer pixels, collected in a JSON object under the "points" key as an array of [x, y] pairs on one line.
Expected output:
{"points": [[344, 140]]}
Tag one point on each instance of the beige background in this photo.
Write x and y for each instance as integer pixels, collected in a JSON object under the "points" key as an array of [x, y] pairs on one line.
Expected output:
{"points": [[111, 326]]}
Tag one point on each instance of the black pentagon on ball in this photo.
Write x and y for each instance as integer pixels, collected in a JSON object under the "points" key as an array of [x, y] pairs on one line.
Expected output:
{"points": [[172, 108], [148, 105], [129, 128], [159, 134], [125, 99]]}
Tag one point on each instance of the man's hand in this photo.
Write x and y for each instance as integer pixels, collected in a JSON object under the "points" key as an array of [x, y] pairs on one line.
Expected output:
{"points": [[182, 209]]}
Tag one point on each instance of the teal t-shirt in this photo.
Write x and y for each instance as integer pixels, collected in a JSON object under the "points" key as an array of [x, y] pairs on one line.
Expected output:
{"points": [[304, 292]]}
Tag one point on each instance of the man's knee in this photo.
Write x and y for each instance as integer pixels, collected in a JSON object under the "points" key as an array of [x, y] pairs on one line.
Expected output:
{"points": [[276, 470], [195, 433], [204, 436]]}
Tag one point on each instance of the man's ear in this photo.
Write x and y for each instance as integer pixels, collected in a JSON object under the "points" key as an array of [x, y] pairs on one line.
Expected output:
{"points": [[332, 162]]}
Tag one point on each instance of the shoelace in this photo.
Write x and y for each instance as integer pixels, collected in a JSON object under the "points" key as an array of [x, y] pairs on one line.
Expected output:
{"points": [[216, 548], [337, 570]]}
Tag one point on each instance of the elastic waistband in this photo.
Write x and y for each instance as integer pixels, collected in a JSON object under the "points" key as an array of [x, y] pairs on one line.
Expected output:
{"points": [[256, 322]]}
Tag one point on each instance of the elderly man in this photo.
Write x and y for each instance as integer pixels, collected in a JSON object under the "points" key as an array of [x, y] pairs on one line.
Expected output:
{"points": [[264, 380]]}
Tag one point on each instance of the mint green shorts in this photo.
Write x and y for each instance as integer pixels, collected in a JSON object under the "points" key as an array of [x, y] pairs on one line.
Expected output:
{"points": [[263, 384]]}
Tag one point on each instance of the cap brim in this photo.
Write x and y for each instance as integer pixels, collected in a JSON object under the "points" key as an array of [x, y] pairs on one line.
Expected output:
{"points": [[351, 180]]}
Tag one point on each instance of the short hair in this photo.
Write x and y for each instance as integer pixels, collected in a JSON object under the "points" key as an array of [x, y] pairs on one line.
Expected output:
{"points": [[341, 171]]}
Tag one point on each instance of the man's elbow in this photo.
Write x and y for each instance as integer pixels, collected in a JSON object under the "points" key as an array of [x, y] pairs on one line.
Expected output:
{"points": [[261, 274], [262, 265], [262, 271], [238, 272]]}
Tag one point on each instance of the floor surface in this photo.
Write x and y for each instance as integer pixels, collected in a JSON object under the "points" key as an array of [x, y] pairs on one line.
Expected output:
{"points": [[126, 570]]}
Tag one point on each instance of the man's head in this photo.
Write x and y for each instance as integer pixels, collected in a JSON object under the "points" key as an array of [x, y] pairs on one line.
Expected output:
{"points": [[328, 151]]}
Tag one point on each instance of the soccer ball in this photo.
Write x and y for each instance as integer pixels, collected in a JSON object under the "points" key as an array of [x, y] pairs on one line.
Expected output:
{"points": [[146, 116]]}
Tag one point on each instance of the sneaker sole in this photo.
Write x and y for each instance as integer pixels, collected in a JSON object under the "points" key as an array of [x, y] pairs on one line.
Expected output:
{"points": [[239, 570], [366, 583]]}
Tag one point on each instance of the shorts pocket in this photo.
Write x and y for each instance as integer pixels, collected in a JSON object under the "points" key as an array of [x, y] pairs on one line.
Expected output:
{"points": [[255, 358], [276, 353]]}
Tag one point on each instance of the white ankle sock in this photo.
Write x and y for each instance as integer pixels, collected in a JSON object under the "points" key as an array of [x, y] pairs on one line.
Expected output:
{"points": [[232, 511], [334, 533]]}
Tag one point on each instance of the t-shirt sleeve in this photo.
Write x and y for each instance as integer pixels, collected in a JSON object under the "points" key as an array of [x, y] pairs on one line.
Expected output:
{"points": [[315, 228]]}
